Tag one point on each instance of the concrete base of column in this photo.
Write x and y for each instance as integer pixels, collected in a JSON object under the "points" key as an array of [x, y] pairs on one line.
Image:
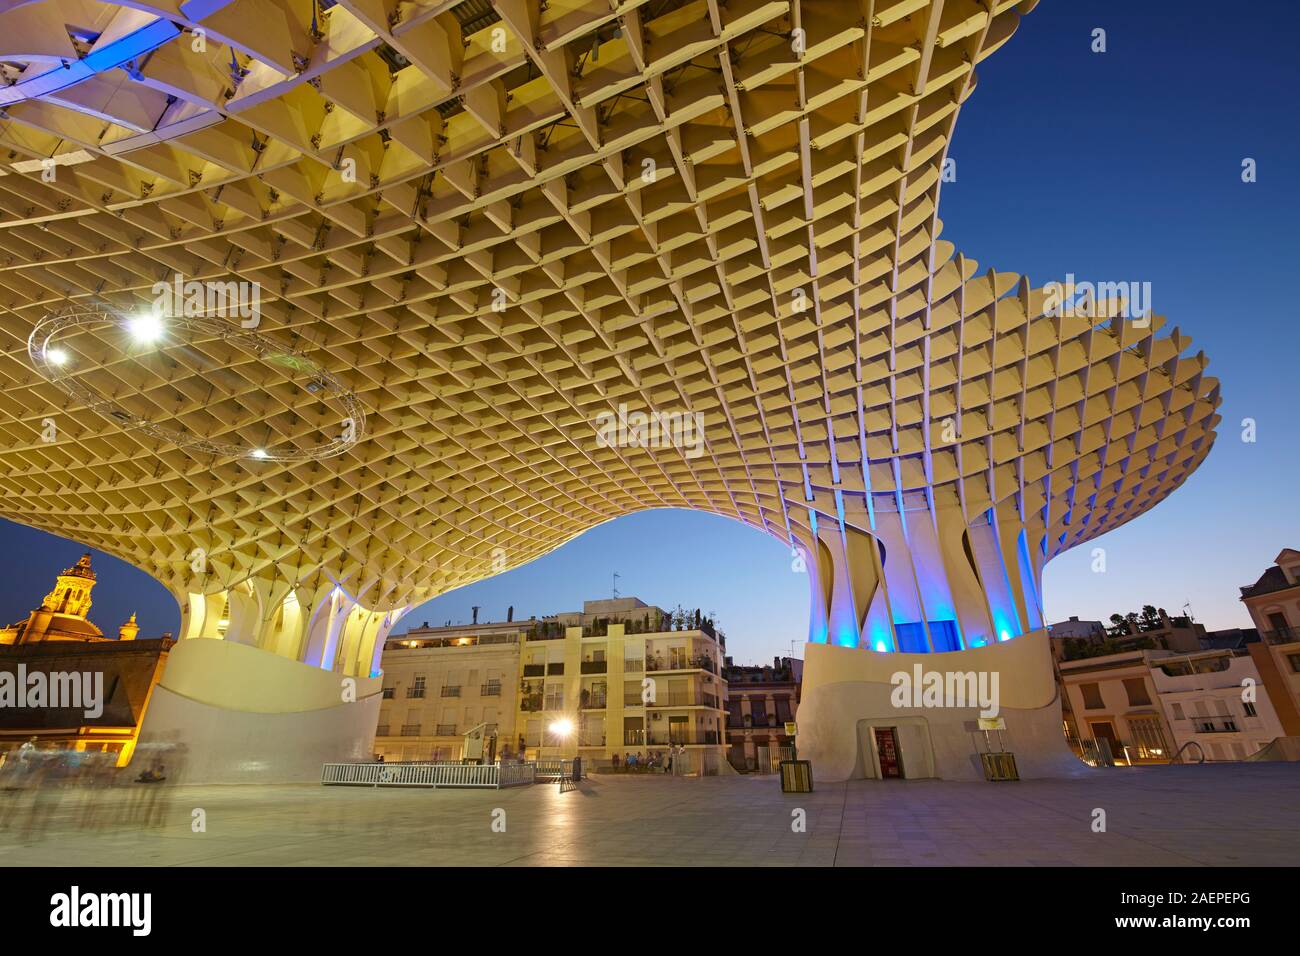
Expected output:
{"points": [[848, 693], [230, 713]]}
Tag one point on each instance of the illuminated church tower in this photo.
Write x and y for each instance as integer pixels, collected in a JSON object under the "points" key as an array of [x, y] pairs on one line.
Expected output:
{"points": [[62, 616]]}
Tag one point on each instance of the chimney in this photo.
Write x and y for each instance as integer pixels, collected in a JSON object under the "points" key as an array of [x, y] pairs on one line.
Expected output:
{"points": [[475, 610], [510, 614]]}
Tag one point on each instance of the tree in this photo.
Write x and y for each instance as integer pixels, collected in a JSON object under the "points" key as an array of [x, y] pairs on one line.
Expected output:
{"points": [[1150, 620]]}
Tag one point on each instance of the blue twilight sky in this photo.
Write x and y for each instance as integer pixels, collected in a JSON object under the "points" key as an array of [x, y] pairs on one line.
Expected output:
{"points": [[1123, 165]]}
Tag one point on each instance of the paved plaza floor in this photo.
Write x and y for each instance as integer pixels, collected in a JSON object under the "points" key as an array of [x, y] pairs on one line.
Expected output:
{"points": [[1228, 814]]}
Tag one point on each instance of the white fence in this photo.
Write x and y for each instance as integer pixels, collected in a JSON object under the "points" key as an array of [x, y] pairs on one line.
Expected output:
{"points": [[553, 768], [489, 775]]}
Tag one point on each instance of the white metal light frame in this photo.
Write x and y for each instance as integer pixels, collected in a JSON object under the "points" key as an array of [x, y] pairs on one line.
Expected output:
{"points": [[88, 317]]}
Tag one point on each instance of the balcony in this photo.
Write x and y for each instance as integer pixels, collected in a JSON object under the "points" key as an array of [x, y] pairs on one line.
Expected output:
{"points": [[534, 670], [554, 669], [699, 662], [410, 730], [446, 730], [595, 667], [636, 738], [417, 691], [1282, 635], [682, 699], [491, 689], [381, 730], [634, 665], [593, 701], [531, 704], [451, 691]]}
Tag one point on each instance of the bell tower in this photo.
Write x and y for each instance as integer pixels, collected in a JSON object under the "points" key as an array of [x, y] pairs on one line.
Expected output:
{"points": [[71, 594]]}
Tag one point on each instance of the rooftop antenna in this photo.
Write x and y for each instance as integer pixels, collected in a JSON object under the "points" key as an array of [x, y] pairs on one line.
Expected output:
{"points": [[1188, 608], [616, 577]]}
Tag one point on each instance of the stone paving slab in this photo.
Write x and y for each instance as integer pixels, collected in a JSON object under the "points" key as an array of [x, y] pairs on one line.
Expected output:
{"points": [[1208, 815]]}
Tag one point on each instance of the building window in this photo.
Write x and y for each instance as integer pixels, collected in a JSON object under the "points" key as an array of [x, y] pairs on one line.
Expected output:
{"points": [[1147, 737], [1136, 688], [1295, 662], [1091, 696], [1178, 711], [416, 689], [1249, 707], [388, 692]]}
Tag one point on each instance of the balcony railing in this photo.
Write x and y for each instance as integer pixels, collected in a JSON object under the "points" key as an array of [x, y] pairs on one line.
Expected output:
{"points": [[681, 699], [594, 702], [389, 692], [682, 664], [381, 730], [636, 738], [492, 689], [451, 691], [446, 730], [1282, 635], [595, 667], [633, 665], [410, 730], [531, 704], [414, 692], [534, 670]]}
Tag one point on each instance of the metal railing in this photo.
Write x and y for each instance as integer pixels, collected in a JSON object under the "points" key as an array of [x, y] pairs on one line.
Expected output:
{"points": [[553, 768], [451, 691], [410, 730], [1282, 635], [489, 690], [414, 692], [490, 775]]}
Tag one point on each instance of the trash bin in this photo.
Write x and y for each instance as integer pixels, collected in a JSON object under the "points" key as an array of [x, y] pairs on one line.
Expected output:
{"points": [[796, 776]]}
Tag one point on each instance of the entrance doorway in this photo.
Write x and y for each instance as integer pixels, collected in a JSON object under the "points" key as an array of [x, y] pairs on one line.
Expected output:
{"points": [[891, 761]]}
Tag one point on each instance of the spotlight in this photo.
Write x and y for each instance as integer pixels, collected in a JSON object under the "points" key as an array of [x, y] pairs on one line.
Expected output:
{"points": [[258, 453], [56, 356], [146, 328]]}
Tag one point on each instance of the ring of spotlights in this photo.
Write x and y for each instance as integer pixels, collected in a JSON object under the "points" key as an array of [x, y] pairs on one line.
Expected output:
{"points": [[51, 362]]}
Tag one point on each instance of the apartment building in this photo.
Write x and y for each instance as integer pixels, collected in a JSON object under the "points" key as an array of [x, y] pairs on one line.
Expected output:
{"points": [[1157, 706], [441, 682], [761, 699], [1274, 605], [622, 677]]}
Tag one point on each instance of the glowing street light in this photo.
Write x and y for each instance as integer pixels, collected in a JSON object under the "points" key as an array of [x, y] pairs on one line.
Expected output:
{"points": [[562, 727], [258, 453]]}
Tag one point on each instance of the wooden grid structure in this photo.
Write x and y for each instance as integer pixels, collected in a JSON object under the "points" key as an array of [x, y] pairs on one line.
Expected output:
{"points": [[495, 221]]}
